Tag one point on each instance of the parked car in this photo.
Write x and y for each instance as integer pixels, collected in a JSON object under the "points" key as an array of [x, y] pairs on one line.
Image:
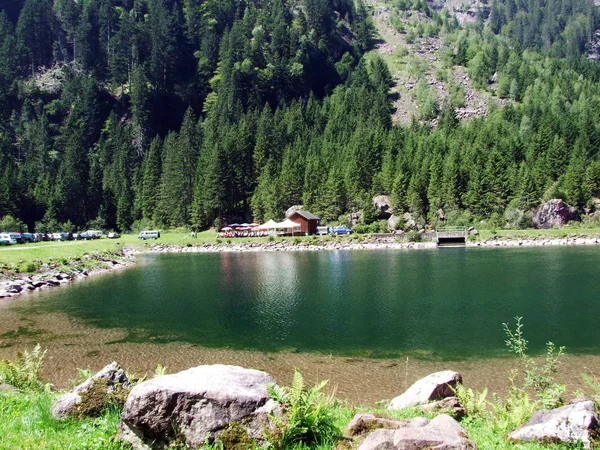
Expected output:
{"points": [[90, 234], [17, 237], [322, 230], [342, 229], [7, 239], [113, 235], [29, 237], [149, 234]]}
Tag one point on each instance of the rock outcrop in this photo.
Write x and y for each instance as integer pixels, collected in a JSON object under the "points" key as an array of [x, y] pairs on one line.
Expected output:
{"points": [[106, 382], [554, 212], [433, 387], [442, 433], [381, 203], [196, 406], [570, 424]]}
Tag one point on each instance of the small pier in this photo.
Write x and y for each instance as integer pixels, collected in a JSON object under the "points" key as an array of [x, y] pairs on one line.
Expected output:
{"points": [[451, 235]]}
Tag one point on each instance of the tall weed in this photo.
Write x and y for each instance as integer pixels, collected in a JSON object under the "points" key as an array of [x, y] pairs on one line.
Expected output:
{"points": [[539, 378]]}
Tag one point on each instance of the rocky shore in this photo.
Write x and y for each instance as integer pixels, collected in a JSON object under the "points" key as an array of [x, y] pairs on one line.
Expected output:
{"points": [[13, 284]]}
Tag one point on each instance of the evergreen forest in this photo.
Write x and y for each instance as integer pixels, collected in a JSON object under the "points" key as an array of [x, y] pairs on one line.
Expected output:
{"points": [[118, 114]]}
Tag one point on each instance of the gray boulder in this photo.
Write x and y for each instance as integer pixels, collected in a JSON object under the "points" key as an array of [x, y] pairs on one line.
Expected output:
{"points": [[110, 379], [435, 386], [554, 212], [409, 222], [394, 222], [381, 203], [448, 405], [197, 405], [8, 389], [570, 424], [441, 433], [362, 424]]}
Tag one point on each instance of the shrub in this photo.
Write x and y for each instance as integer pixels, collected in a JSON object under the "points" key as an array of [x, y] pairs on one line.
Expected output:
{"points": [[24, 372], [308, 415], [297, 240], [413, 236], [9, 223], [538, 378]]}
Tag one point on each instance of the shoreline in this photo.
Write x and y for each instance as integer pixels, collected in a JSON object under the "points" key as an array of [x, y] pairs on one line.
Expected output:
{"points": [[16, 284]]}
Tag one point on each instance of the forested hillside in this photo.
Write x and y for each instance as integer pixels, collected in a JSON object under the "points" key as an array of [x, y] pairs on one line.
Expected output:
{"points": [[169, 113]]}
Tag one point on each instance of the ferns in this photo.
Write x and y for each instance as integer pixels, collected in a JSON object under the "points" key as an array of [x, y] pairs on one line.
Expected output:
{"points": [[308, 417], [24, 372]]}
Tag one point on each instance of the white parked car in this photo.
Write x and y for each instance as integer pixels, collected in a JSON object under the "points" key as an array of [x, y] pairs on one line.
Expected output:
{"points": [[7, 239], [149, 234]]}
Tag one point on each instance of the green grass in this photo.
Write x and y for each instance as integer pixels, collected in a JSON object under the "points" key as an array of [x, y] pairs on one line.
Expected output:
{"points": [[27, 424]]}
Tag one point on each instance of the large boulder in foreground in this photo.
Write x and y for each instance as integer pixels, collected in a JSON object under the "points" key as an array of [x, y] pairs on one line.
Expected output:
{"points": [[197, 405], [441, 433], [571, 424], [91, 396], [554, 212], [436, 386]]}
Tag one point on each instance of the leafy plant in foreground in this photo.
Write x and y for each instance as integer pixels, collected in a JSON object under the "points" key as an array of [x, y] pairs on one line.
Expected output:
{"points": [[24, 372], [538, 378], [308, 415]]}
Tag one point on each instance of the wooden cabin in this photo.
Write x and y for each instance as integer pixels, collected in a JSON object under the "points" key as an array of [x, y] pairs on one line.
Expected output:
{"points": [[308, 222]]}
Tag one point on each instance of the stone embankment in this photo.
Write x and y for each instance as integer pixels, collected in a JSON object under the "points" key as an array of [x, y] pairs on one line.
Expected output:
{"points": [[536, 242], [372, 244]]}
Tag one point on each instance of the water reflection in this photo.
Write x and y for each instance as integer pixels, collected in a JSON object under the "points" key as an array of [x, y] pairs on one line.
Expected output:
{"points": [[439, 303]]}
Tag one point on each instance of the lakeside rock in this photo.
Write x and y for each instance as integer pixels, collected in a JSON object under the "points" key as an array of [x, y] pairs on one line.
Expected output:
{"points": [[107, 381], [448, 405], [570, 424], [8, 388], [435, 386], [442, 432], [555, 212], [198, 404]]}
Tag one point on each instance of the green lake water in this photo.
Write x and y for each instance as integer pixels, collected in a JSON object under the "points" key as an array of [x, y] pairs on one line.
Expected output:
{"points": [[446, 303]]}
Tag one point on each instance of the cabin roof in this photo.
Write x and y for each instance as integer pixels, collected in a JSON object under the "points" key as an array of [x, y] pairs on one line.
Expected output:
{"points": [[307, 215]]}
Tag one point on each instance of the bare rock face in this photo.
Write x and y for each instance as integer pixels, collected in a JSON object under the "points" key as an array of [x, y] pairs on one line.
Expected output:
{"points": [[110, 378], [570, 424], [197, 405], [381, 203], [433, 387], [441, 433], [554, 212]]}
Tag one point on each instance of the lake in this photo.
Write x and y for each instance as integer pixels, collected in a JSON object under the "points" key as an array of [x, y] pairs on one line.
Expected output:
{"points": [[431, 305]]}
